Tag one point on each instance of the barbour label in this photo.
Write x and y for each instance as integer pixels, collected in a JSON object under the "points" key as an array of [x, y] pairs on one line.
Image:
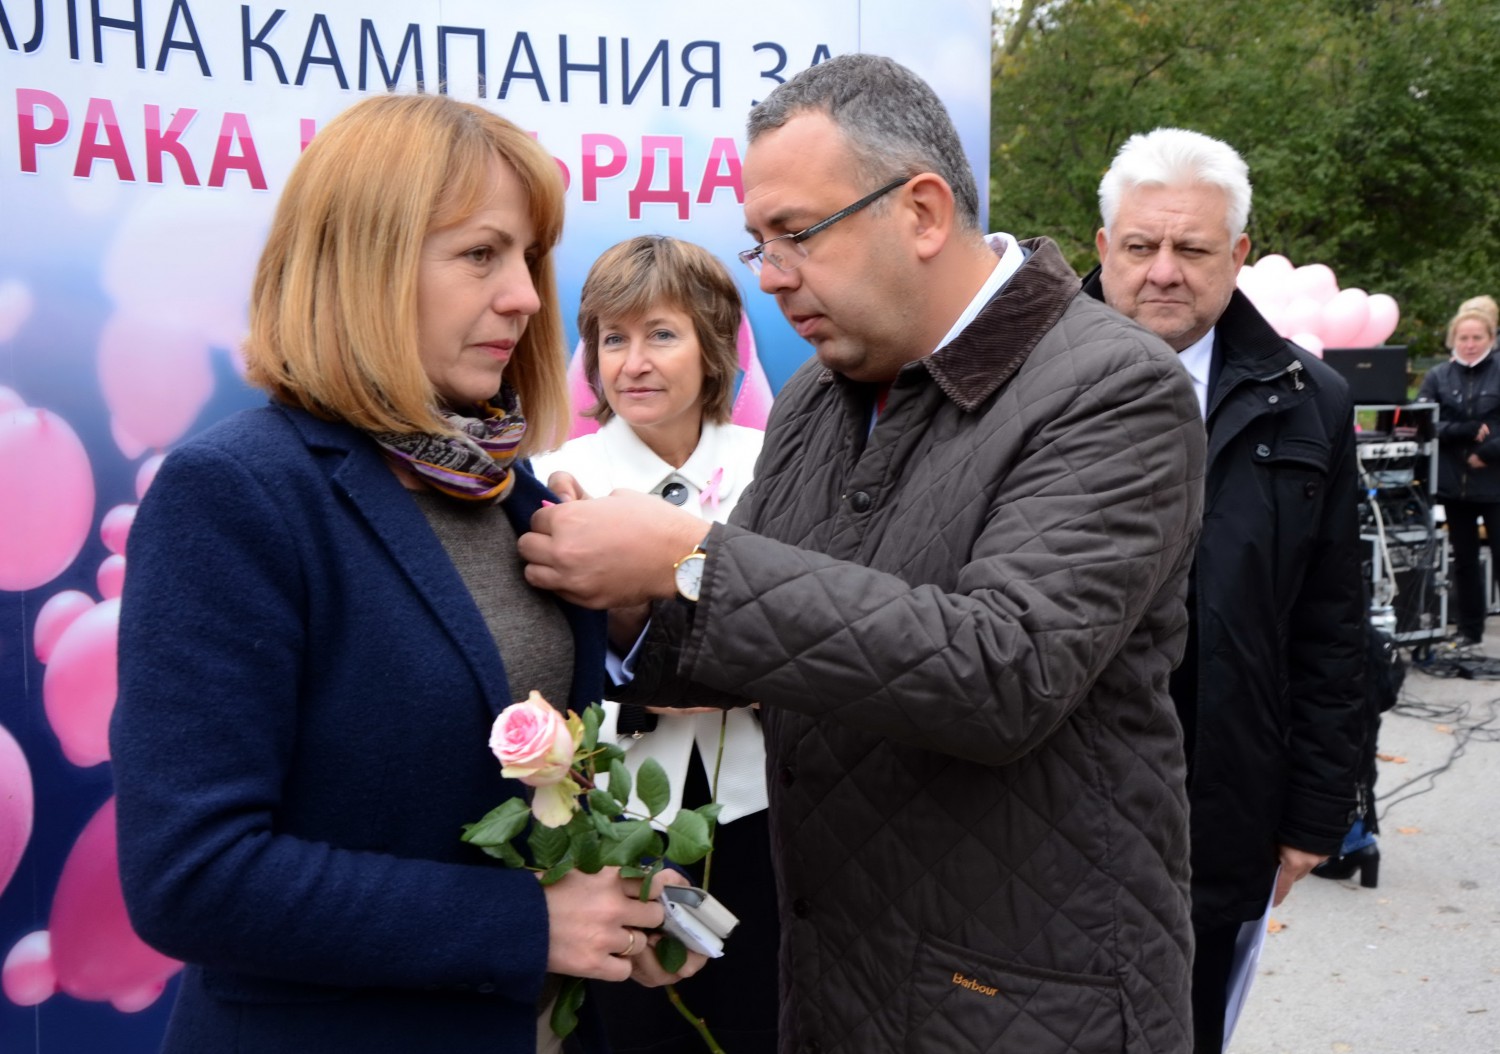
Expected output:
{"points": [[973, 985]]}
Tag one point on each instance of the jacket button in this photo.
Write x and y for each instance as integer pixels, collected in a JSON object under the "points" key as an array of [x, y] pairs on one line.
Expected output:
{"points": [[1310, 489], [1273, 400], [1261, 450], [801, 908], [787, 776], [488, 988], [860, 501]]}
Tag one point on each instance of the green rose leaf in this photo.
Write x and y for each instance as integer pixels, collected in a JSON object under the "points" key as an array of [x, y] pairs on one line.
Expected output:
{"points": [[499, 825], [652, 786], [633, 871], [604, 802], [555, 873], [588, 852], [591, 718], [506, 854], [619, 782], [688, 839], [627, 842], [548, 844], [608, 752], [565, 1010], [710, 812], [671, 953]]}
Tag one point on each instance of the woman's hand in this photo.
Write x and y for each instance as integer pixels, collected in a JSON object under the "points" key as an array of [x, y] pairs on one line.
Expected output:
{"points": [[597, 925], [1475, 461], [566, 487], [645, 969], [1483, 433]]}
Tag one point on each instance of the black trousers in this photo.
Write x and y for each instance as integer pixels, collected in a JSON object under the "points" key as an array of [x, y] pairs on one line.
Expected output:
{"points": [[1211, 964], [1470, 589], [735, 995]]}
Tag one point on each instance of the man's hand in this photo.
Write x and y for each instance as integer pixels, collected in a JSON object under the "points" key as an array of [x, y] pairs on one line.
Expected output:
{"points": [[566, 487], [1294, 865], [614, 552]]}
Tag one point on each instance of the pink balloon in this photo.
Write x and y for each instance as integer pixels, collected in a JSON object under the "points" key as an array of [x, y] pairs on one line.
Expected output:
{"points": [[1274, 264], [1384, 315], [79, 687], [1344, 318], [28, 977], [111, 577], [155, 378], [16, 806], [10, 399], [115, 528], [1315, 281], [1302, 315], [146, 474], [59, 612], [47, 492], [752, 406], [95, 952], [1311, 341]]}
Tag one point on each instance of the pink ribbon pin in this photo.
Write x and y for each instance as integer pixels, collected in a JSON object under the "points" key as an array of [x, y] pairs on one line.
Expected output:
{"points": [[711, 492]]}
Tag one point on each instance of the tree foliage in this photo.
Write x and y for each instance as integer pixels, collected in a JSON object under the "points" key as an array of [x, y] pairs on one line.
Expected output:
{"points": [[1371, 127]]}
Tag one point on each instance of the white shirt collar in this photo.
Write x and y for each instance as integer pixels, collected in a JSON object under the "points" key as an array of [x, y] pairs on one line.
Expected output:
{"points": [[1198, 359], [1471, 365], [636, 466], [1010, 259]]}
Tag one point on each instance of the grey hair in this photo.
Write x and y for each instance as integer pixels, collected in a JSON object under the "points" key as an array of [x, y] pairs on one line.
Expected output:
{"points": [[893, 121], [1173, 157]]}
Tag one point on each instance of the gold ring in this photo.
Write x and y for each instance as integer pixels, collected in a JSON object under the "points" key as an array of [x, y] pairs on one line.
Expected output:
{"points": [[629, 948]]}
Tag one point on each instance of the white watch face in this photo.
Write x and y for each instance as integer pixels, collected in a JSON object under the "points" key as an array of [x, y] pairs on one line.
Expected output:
{"points": [[689, 574]]}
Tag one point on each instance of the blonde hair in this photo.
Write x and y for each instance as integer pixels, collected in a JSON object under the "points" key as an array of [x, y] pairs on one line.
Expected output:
{"points": [[1483, 305], [333, 310], [631, 278]]}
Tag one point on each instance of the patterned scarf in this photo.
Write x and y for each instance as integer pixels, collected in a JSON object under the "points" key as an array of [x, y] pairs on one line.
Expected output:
{"points": [[474, 465]]}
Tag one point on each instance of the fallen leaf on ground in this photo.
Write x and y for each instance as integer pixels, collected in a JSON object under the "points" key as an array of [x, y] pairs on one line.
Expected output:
{"points": [[1445, 729], [1408, 830], [1394, 759], [1274, 926]]}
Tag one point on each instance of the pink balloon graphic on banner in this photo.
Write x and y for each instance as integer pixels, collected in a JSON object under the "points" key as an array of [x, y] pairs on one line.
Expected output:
{"points": [[10, 399], [27, 978], [111, 577], [59, 612], [79, 688], [16, 303], [155, 380], [16, 806], [752, 406], [96, 954], [581, 396], [114, 529], [145, 474], [47, 492]]}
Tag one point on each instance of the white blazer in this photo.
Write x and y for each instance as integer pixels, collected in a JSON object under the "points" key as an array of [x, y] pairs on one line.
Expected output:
{"points": [[715, 476]]}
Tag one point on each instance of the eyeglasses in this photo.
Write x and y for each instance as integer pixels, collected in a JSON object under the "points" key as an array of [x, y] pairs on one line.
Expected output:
{"points": [[789, 255]]}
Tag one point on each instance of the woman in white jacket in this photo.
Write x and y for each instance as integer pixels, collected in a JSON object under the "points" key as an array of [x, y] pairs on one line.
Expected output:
{"points": [[659, 318]]}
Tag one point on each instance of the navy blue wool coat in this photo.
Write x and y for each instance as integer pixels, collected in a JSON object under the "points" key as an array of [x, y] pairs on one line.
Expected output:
{"points": [[306, 689]]}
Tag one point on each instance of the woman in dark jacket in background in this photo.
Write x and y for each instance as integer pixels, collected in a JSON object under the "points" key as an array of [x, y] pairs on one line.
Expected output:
{"points": [[1467, 391]]}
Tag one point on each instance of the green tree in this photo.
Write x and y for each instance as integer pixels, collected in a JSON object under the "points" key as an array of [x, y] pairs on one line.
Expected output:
{"points": [[1372, 129]]}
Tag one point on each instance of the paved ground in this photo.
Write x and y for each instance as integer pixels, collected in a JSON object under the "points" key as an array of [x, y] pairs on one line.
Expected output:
{"points": [[1413, 966]]}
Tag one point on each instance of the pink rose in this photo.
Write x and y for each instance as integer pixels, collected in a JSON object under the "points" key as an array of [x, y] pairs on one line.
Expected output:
{"points": [[533, 742]]}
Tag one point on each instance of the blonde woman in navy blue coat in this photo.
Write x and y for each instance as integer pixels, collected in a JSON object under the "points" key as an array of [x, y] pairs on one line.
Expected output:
{"points": [[325, 612]]}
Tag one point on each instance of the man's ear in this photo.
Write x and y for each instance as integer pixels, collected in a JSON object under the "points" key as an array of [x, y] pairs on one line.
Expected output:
{"points": [[1241, 250], [1101, 243], [930, 200]]}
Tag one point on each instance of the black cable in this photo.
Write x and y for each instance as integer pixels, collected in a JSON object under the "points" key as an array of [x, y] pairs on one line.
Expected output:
{"points": [[1460, 718]]}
